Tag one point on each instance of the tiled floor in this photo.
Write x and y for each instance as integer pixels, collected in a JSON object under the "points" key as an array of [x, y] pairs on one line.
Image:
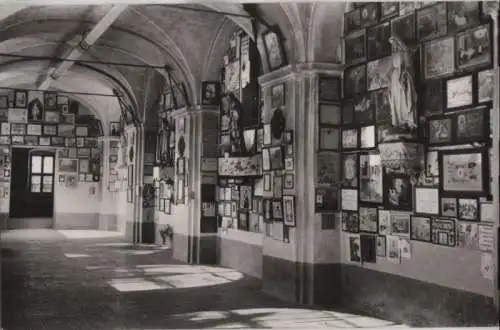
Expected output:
{"points": [[60, 280]]}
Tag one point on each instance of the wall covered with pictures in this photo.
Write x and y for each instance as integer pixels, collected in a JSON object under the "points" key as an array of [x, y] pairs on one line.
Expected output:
{"points": [[414, 169]]}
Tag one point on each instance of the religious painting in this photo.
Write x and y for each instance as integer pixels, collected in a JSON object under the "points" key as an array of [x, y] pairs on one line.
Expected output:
{"points": [[420, 229], [368, 220], [329, 89], [328, 168], [377, 41], [378, 73], [210, 93], [273, 49], [114, 128], [473, 48], [433, 97], [355, 47], [277, 209], [288, 181], [432, 22], [462, 15], [50, 101], [277, 95], [468, 209], [468, 235], [459, 92], [289, 211], [448, 207], [439, 131], [349, 170], [485, 81], [349, 138], [354, 248], [350, 222], [472, 125], [21, 99], [329, 138], [368, 248], [245, 197], [398, 192], [5, 128], [438, 58], [35, 110], [249, 140], [380, 100], [370, 178], [404, 28], [384, 222], [370, 14], [352, 21], [464, 172], [329, 114], [4, 115], [388, 10], [363, 109], [276, 158], [355, 80], [327, 199], [443, 232]]}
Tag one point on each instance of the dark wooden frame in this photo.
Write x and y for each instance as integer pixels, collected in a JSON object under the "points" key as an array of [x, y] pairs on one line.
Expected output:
{"points": [[342, 139], [217, 96], [478, 210], [373, 38], [441, 210], [436, 105], [443, 24], [434, 240], [359, 219], [350, 59], [344, 226], [279, 38], [484, 133], [424, 64], [477, 18], [474, 67], [387, 178], [339, 142], [329, 96], [440, 118], [411, 228], [292, 199], [473, 89]]}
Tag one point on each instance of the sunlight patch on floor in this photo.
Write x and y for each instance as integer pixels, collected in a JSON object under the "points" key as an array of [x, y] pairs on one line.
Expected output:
{"points": [[135, 284], [76, 255], [83, 234]]}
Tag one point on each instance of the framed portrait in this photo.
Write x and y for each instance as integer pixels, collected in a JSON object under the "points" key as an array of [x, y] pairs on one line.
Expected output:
{"points": [[485, 81], [427, 200], [370, 179], [349, 199], [462, 15], [288, 181], [4, 101], [210, 93], [349, 138], [329, 138], [464, 172], [433, 97], [21, 99], [355, 80], [388, 10], [404, 27], [327, 199], [368, 220], [377, 41], [276, 158], [370, 14], [472, 125], [348, 112], [438, 59], [266, 160], [355, 47], [448, 207], [350, 170], [17, 129], [277, 95], [440, 131], [468, 209], [379, 99], [367, 139], [432, 164], [352, 20], [277, 209], [274, 49], [327, 168], [289, 210], [459, 92], [329, 89], [350, 222], [400, 224], [420, 228], [443, 232], [378, 73], [473, 48], [432, 22], [398, 192], [363, 109]]}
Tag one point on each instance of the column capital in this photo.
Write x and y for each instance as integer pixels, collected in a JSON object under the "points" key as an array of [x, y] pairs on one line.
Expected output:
{"points": [[299, 71]]}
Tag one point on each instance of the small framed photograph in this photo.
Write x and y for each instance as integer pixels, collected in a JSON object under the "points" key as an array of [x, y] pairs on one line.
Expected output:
{"points": [[50, 100], [83, 165], [267, 182], [438, 58], [472, 125], [82, 131], [378, 73], [398, 193], [44, 141], [381, 240], [485, 81], [4, 101], [352, 20], [276, 158], [448, 207], [267, 134], [459, 92], [266, 159], [433, 97], [370, 14], [50, 130], [348, 112], [355, 80], [350, 170], [427, 200], [388, 10], [400, 224], [52, 117], [259, 139], [17, 139], [329, 114], [368, 139], [5, 128], [289, 150], [277, 95], [66, 130], [273, 49], [468, 209], [432, 22], [432, 164], [368, 220], [420, 228], [380, 100], [243, 221], [440, 131], [114, 128], [34, 129], [355, 47], [363, 110], [289, 210], [21, 99], [443, 232], [329, 89], [377, 39], [349, 138], [210, 93], [277, 209], [349, 199], [327, 199], [405, 28], [288, 181], [473, 48], [18, 129], [462, 15], [31, 140], [350, 222], [289, 164], [329, 138], [288, 137]]}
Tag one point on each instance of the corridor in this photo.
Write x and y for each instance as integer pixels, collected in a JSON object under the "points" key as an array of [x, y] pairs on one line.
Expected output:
{"points": [[80, 280]]}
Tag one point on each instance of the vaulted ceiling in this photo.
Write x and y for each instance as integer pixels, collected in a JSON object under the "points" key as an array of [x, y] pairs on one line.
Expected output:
{"points": [[191, 42]]}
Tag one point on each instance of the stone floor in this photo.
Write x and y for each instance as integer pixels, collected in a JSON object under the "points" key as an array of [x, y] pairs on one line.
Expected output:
{"points": [[80, 280]]}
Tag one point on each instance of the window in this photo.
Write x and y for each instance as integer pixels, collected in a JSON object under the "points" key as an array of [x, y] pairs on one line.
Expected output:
{"points": [[41, 173]]}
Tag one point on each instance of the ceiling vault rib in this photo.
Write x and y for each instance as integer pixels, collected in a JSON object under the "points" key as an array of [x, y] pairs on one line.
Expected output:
{"points": [[210, 11], [72, 55]]}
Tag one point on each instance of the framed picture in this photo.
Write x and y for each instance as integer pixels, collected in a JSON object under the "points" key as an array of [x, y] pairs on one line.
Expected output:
{"points": [[273, 48], [210, 93], [368, 248], [382, 132], [34, 129], [367, 139], [378, 73], [370, 14], [348, 112], [276, 158], [370, 179], [18, 115], [17, 139], [259, 139], [377, 39], [5, 128], [438, 59], [277, 209], [464, 172], [81, 131], [404, 27], [473, 48], [420, 229], [432, 22], [388, 10], [329, 89], [243, 221], [288, 137], [277, 185], [468, 209], [289, 149], [381, 240], [443, 232], [349, 138], [355, 80], [363, 110], [354, 248], [288, 181], [398, 194], [289, 210], [21, 99], [327, 199], [448, 207], [350, 170], [355, 47], [250, 140], [4, 101], [368, 220], [266, 160], [427, 200], [114, 128], [380, 100], [462, 15], [459, 92], [327, 168], [472, 125], [352, 20], [50, 130], [289, 166], [35, 110], [349, 199], [432, 164], [440, 131], [50, 100], [17, 129], [485, 81], [400, 224], [277, 95], [52, 117], [44, 141], [329, 138], [433, 97], [181, 166], [350, 222], [267, 134]]}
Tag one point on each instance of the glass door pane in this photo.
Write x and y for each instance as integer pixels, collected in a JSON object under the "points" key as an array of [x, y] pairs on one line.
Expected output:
{"points": [[36, 164], [35, 183], [48, 164], [47, 183]]}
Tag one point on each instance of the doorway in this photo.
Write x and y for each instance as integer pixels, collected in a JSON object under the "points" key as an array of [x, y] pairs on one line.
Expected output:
{"points": [[32, 184]]}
